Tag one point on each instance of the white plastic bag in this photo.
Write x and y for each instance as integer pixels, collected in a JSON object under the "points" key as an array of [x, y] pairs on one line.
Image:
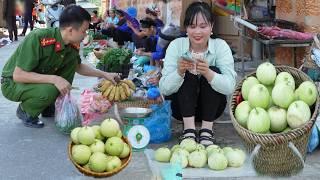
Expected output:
{"points": [[67, 115]]}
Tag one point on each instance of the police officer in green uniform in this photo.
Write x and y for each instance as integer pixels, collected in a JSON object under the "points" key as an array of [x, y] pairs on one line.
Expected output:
{"points": [[44, 64]]}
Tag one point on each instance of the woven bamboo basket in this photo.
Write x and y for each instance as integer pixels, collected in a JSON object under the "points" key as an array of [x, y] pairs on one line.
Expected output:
{"points": [[141, 103], [280, 154], [125, 162]]}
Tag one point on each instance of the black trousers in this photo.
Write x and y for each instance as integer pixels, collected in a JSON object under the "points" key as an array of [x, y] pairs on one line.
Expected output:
{"points": [[12, 27], [109, 32], [197, 98], [27, 19], [120, 37]]}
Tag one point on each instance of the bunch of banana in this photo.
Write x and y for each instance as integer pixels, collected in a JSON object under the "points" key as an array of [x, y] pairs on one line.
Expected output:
{"points": [[117, 92]]}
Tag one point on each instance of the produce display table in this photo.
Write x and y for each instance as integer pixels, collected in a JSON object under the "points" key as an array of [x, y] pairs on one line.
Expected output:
{"points": [[289, 43]]}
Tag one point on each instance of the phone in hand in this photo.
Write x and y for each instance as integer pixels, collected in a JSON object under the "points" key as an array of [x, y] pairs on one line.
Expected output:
{"points": [[186, 57]]}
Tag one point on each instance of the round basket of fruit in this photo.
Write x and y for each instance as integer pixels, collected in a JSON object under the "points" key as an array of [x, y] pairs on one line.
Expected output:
{"points": [[99, 151], [273, 111]]}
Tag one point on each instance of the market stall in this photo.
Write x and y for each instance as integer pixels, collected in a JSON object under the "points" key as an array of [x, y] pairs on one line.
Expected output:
{"points": [[273, 109]]}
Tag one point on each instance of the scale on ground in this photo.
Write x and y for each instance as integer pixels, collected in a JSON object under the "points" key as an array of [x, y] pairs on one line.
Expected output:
{"points": [[133, 128]]}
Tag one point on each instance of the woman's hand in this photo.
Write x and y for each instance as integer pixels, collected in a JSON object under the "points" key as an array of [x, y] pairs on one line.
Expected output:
{"points": [[139, 51], [183, 66], [154, 81], [204, 70], [129, 24]]}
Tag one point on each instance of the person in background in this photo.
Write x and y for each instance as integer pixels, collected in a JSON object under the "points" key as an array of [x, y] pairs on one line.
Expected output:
{"points": [[19, 14], [138, 35], [153, 13], [111, 28], [166, 35], [157, 52], [9, 14], [95, 20], [124, 32], [198, 74], [148, 27], [112, 18], [28, 8]]}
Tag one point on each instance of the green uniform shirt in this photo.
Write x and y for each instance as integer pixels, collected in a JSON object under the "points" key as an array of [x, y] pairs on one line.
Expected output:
{"points": [[43, 51]]}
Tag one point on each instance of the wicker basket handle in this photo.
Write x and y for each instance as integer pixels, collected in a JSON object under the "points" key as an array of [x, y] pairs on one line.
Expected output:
{"points": [[316, 41], [296, 152], [254, 154], [290, 145]]}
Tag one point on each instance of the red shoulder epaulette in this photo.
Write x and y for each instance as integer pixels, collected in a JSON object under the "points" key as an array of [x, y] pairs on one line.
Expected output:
{"points": [[75, 46], [47, 41]]}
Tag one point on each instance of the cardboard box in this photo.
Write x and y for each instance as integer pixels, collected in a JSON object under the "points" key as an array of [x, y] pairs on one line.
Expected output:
{"points": [[224, 26], [234, 43]]}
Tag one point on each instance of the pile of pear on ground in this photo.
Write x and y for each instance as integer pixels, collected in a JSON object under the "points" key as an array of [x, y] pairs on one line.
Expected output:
{"points": [[191, 154], [273, 102], [99, 148]]}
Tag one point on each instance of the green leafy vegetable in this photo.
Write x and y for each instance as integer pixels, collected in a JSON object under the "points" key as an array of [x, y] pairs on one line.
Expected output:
{"points": [[114, 59]]}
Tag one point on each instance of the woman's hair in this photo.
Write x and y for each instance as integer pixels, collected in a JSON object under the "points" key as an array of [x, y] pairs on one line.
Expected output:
{"points": [[120, 13], [196, 8], [147, 23]]}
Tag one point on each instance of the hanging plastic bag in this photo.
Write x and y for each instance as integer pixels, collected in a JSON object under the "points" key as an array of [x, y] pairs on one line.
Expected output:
{"points": [[93, 106], [314, 138], [67, 115], [159, 122]]}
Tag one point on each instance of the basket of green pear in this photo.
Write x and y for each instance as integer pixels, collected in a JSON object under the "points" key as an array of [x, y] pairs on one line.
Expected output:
{"points": [[191, 154], [99, 151], [273, 111]]}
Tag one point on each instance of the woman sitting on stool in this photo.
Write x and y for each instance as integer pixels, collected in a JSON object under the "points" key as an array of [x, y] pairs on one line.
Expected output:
{"points": [[198, 74]]}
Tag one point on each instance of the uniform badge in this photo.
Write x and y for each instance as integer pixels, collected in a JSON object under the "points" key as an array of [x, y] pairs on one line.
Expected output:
{"points": [[47, 41], [57, 46]]}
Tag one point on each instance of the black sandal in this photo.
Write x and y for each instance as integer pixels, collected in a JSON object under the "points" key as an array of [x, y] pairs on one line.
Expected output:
{"points": [[186, 131], [211, 139]]}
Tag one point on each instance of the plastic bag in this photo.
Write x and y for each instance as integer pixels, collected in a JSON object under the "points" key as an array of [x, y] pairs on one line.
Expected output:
{"points": [[314, 137], [67, 115], [159, 122], [141, 60], [93, 106]]}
